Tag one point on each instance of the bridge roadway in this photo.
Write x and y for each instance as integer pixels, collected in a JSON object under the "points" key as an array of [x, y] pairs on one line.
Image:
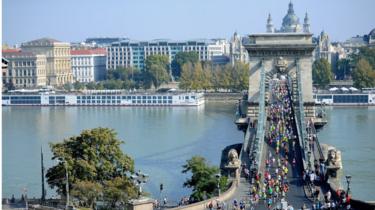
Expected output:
{"points": [[296, 194]]}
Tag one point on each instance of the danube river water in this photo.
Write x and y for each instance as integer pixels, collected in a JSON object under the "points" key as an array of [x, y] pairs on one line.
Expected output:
{"points": [[161, 139], [352, 131]]}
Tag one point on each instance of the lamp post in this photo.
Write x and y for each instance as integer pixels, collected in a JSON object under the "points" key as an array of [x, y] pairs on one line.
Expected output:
{"points": [[348, 178], [26, 203], [139, 179], [218, 183], [66, 184]]}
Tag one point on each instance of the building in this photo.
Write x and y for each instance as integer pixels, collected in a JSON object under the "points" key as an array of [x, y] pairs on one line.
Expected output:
{"points": [[58, 59], [130, 53], [25, 69], [351, 45], [102, 41], [88, 65], [237, 50], [324, 47]]}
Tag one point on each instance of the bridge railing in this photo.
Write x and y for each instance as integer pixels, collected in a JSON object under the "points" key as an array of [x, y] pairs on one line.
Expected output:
{"points": [[257, 147], [300, 116], [316, 140]]}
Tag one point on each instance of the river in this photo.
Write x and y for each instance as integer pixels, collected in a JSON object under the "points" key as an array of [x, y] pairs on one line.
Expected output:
{"points": [[161, 139]]}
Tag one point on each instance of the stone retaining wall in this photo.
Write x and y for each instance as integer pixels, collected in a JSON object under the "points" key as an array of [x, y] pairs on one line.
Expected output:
{"points": [[223, 97], [204, 204]]}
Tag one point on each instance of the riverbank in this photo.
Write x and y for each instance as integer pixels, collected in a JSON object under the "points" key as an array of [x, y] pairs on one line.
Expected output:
{"points": [[223, 97]]}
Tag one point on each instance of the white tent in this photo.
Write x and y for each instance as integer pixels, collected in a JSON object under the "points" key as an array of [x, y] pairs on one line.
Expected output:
{"points": [[344, 89], [333, 89], [353, 89]]}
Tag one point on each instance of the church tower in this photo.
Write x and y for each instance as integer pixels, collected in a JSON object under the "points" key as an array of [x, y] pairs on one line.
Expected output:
{"points": [[270, 28], [306, 24]]}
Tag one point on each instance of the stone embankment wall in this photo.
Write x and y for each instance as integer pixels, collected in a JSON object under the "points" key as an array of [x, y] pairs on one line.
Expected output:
{"points": [[223, 97], [204, 204]]}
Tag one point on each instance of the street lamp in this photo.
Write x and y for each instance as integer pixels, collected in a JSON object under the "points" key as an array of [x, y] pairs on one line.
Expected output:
{"points": [[218, 183], [139, 179], [26, 203], [348, 178]]}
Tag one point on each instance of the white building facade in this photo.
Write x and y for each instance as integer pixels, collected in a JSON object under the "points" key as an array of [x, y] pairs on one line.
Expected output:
{"points": [[88, 65], [25, 69], [128, 53]]}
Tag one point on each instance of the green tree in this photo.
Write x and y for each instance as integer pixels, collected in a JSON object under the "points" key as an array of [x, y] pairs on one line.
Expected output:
{"points": [[78, 86], [226, 79], [93, 158], [87, 192], [321, 73], [68, 86], [114, 193], [216, 73], [239, 76], [186, 79], [157, 70], [363, 74], [203, 179], [112, 84], [343, 69], [198, 77], [91, 86], [364, 53], [180, 59]]}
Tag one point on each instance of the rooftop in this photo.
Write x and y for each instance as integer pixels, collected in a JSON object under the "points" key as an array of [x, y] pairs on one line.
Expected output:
{"points": [[97, 51], [42, 41]]}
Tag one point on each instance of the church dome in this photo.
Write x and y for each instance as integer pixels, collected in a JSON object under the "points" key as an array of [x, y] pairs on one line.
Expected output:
{"points": [[372, 34], [290, 21]]}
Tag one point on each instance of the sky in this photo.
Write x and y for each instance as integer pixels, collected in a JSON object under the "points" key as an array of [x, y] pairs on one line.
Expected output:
{"points": [[76, 20]]}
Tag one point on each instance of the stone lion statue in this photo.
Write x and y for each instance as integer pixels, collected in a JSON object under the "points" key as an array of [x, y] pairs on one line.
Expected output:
{"points": [[233, 158], [332, 157]]}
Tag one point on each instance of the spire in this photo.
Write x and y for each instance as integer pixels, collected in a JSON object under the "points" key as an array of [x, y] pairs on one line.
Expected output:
{"points": [[306, 24], [270, 28], [290, 9]]}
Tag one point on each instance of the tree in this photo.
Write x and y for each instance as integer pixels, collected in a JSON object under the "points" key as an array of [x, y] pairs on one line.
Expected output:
{"points": [[91, 159], [112, 84], [343, 69], [240, 76], [321, 73], [78, 86], [216, 77], [114, 193], [87, 192], [363, 75], [198, 77], [186, 79], [157, 70], [68, 86], [364, 53], [180, 59], [91, 86], [203, 179]]}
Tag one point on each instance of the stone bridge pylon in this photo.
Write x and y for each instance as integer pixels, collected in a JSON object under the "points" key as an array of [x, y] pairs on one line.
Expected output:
{"points": [[280, 54]]}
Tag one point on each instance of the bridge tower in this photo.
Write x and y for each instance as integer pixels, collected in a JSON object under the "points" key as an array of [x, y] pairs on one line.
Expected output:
{"points": [[291, 47]]}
